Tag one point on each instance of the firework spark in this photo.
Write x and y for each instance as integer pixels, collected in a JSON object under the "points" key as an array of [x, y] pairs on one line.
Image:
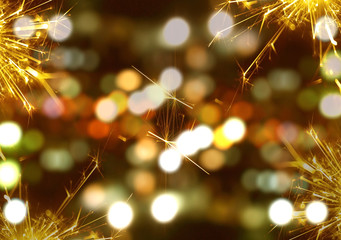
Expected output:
{"points": [[22, 35], [323, 174], [287, 14], [52, 225]]}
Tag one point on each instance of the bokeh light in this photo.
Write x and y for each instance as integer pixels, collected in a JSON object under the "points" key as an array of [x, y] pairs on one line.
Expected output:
{"points": [[234, 129], [170, 160], [220, 24], [9, 174], [24, 27], [171, 78], [331, 66], [10, 134], [106, 110], [176, 31], [316, 212], [330, 105], [60, 28], [120, 215], [326, 28], [164, 208], [15, 211], [281, 211], [128, 80]]}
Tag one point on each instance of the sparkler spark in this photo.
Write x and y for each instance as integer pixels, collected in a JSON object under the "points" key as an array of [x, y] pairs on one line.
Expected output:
{"points": [[287, 14], [52, 225], [18, 42], [323, 174]]}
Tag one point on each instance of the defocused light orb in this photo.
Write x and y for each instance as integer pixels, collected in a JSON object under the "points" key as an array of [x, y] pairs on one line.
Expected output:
{"points": [[120, 215], [70, 87], [128, 80], [171, 78], [331, 66], [164, 208], [234, 129], [15, 211], [261, 89], [246, 43], [281, 211], [326, 28], [212, 159], [170, 160], [93, 196], [10, 134], [204, 136], [316, 212], [185, 143], [52, 108], [176, 31], [106, 110], [155, 96], [9, 173], [33, 140], [146, 149], [137, 103], [220, 24], [24, 27], [330, 105], [60, 28], [56, 160], [284, 80]]}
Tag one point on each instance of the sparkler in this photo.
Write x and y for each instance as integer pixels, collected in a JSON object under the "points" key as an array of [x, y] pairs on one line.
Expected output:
{"points": [[17, 45], [287, 14], [52, 225], [323, 174]]}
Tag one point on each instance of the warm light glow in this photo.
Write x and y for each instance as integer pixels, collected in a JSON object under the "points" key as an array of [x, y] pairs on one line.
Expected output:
{"points": [[234, 129], [106, 110], [10, 134], [24, 27], [171, 79], [120, 215], [164, 208], [326, 28], [170, 160], [281, 212], [9, 174], [316, 212], [15, 211]]}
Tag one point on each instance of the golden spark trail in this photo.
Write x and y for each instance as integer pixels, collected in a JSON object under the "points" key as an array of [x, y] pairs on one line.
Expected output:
{"points": [[18, 67], [323, 174], [287, 14]]}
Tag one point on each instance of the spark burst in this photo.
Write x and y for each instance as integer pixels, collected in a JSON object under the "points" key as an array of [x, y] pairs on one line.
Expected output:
{"points": [[18, 66], [323, 174], [52, 225], [287, 14]]}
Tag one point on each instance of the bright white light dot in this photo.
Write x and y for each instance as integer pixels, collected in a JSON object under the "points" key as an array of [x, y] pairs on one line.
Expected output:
{"points": [[281, 212], [106, 110], [330, 105], [326, 28], [60, 28], [9, 174], [204, 136], [176, 31], [234, 129], [186, 143], [24, 27], [316, 212], [220, 23], [15, 211], [120, 215], [164, 208], [10, 134], [170, 160], [171, 79]]}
